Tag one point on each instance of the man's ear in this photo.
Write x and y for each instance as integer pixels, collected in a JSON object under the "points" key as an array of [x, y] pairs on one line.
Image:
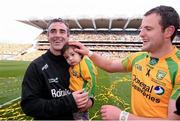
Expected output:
{"points": [[169, 31]]}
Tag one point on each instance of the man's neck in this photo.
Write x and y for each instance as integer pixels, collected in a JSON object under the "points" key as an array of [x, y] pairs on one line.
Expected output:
{"points": [[162, 52], [54, 52]]}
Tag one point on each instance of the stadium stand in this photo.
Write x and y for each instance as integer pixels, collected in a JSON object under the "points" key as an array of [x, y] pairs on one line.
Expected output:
{"points": [[114, 44], [10, 51], [115, 37]]}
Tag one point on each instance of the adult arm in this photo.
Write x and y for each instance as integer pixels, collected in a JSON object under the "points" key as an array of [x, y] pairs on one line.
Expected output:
{"points": [[35, 103], [100, 61], [110, 112]]}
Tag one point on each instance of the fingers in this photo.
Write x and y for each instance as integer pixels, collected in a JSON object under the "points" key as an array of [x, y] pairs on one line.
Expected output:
{"points": [[79, 91], [76, 43], [103, 112], [110, 112], [104, 107], [82, 103], [81, 98], [82, 49], [76, 93]]}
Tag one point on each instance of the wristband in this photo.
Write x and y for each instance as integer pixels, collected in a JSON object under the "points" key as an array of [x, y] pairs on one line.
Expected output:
{"points": [[90, 53], [123, 116]]}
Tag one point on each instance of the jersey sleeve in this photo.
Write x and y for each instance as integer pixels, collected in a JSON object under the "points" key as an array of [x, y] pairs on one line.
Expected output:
{"points": [[89, 73], [131, 59], [127, 62], [176, 89]]}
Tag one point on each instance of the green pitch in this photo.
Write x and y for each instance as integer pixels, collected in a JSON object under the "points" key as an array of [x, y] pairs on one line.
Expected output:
{"points": [[11, 74], [111, 89]]}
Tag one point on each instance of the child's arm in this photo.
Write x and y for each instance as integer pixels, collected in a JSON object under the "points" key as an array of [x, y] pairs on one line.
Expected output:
{"points": [[88, 73]]}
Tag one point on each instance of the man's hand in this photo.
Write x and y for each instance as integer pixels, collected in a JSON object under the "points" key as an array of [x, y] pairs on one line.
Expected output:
{"points": [[82, 49], [110, 112], [81, 98], [88, 105]]}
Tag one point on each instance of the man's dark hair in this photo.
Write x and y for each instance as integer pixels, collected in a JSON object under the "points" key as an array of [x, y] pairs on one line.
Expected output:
{"points": [[169, 17], [59, 20]]}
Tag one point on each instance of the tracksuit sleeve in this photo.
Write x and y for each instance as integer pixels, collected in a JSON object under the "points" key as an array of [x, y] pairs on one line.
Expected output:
{"points": [[35, 105]]}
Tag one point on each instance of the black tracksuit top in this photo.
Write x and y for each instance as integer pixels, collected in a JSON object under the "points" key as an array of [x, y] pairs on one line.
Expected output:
{"points": [[45, 93]]}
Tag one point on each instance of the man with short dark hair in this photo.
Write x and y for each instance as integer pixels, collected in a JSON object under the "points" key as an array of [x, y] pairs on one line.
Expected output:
{"points": [[45, 92], [154, 72]]}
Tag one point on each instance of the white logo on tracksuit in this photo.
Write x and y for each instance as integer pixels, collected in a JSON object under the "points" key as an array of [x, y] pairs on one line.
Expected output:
{"points": [[60, 93]]}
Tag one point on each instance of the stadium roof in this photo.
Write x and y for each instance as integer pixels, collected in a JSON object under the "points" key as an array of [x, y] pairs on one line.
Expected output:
{"points": [[92, 14], [92, 24]]}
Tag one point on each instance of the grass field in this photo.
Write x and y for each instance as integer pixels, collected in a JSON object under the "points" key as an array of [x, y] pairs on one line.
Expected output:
{"points": [[111, 89], [11, 74]]}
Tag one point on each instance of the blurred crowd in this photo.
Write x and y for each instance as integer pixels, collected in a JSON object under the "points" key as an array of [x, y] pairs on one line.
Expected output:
{"points": [[114, 44]]}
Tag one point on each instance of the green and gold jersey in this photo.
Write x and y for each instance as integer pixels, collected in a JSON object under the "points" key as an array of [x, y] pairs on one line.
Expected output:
{"points": [[153, 80], [83, 75]]}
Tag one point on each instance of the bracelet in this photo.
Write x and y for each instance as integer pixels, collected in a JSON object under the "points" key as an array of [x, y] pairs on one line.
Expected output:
{"points": [[90, 53], [123, 116]]}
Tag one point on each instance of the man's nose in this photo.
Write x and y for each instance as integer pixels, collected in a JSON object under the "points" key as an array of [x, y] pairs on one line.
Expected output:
{"points": [[58, 33], [141, 34]]}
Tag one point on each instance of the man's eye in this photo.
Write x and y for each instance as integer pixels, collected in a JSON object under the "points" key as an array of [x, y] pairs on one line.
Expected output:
{"points": [[148, 28], [62, 31], [53, 31]]}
